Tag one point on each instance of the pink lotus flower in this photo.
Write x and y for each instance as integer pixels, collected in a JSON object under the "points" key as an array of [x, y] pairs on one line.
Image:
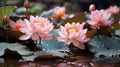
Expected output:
{"points": [[24, 27], [99, 18], [28, 32], [73, 33], [59, 12], [37, 26], [41, 26], [113, 9], [17, 25]]}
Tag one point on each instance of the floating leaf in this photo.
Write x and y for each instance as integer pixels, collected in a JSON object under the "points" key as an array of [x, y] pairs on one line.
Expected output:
{"points": [[48, 13], [50, 49], [115, 26], [8, 35], [91, 33], [35, 55], [117, 32], [20, 10], [54, 47], [39, 55], [13, 34], [104, 31], [35, 9], [22, 50], [5, 10], [78, 18], [105, 47], [107, 60], [1, 60], [116, 17], [87, 16]]}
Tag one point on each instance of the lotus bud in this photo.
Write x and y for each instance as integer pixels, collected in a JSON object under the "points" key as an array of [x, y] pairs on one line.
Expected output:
{"points": [[5, 18], [92, 7], [26, 3]]}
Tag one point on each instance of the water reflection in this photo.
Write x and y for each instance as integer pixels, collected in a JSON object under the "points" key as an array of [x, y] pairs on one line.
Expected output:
{"points": [[71, 62], [32, 64], [55, 64]]}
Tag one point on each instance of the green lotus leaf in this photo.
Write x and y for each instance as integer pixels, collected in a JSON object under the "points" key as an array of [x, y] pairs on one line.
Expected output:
{"points": [[21, 49], [54, 47], [107, 60], [77, 18], [35, 9], [115, 26], [5, 10], [105, 47], [48, 13], [117, 32]]}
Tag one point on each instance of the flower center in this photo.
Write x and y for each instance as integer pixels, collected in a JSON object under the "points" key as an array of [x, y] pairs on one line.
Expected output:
{"points": [[18, 27], [39, 23], [72, 29]]}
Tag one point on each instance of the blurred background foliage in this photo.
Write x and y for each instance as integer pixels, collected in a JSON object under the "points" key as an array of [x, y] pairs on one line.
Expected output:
{"points": [[82, 4]]}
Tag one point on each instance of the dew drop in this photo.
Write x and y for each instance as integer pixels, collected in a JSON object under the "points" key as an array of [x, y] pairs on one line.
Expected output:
{"points": [[102, 45], [43, 49], [47, 45], [94, 42]]}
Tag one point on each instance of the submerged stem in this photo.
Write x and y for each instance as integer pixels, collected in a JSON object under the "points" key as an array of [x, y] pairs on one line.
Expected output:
{"points": [[6, 35]]}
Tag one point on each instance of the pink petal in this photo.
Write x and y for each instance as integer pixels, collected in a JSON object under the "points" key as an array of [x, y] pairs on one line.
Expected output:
{"points": [[31, 18], [27, 24], [75, 43], [71, 35], [78, 44], [83, 32], [94, 26], [12, 24], [26, 31], [35, 37], [91, 22], [108, 23], [47, 36], [23, 30], [24, 37], [86, 40], [68, 42], [61, 39]]}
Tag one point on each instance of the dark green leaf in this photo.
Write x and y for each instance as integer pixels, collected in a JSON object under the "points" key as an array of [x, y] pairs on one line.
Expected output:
{"points": [[103, 45], [104, 31], [36, 9], [78, 18], [115, 26], [48, 13], [91, 33], [117, 32], [22, 50], [5, 10], [54, 47], [107, 60]]}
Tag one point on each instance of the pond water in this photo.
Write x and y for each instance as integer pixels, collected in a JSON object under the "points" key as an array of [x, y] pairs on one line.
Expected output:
{"points": [[74, 61], [77, 61]]}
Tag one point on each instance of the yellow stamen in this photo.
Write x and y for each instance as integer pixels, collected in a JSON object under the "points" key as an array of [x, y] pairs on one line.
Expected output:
{"points": [[72, 29], [39, 23]]}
